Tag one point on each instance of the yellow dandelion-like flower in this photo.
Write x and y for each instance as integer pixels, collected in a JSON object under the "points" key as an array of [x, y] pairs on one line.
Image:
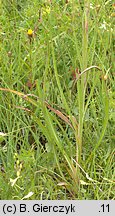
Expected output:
{"points": [[30, 32]]}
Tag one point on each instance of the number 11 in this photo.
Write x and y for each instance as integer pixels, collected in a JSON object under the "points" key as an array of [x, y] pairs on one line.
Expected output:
{"points": [[105, 206]]}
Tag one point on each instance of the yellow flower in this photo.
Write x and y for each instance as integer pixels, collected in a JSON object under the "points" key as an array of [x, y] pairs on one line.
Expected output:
{"points": [[30, 32]]}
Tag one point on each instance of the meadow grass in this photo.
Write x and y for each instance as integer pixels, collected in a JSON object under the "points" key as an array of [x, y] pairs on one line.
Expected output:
{"points": [[57, 100]]}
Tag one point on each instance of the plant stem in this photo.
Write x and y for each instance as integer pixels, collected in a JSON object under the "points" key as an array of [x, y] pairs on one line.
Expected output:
{"points": [[83, 82]]}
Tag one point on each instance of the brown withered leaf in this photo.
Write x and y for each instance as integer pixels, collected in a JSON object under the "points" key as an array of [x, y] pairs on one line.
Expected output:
{"points": [[27, 98], [60, 114]]}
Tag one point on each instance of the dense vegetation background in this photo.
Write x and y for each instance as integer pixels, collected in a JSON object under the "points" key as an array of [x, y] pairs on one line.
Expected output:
{"points": [[57, 99]]}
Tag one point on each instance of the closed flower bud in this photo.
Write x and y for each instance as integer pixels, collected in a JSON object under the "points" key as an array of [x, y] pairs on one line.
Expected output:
{"points": [[105, 77]]}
